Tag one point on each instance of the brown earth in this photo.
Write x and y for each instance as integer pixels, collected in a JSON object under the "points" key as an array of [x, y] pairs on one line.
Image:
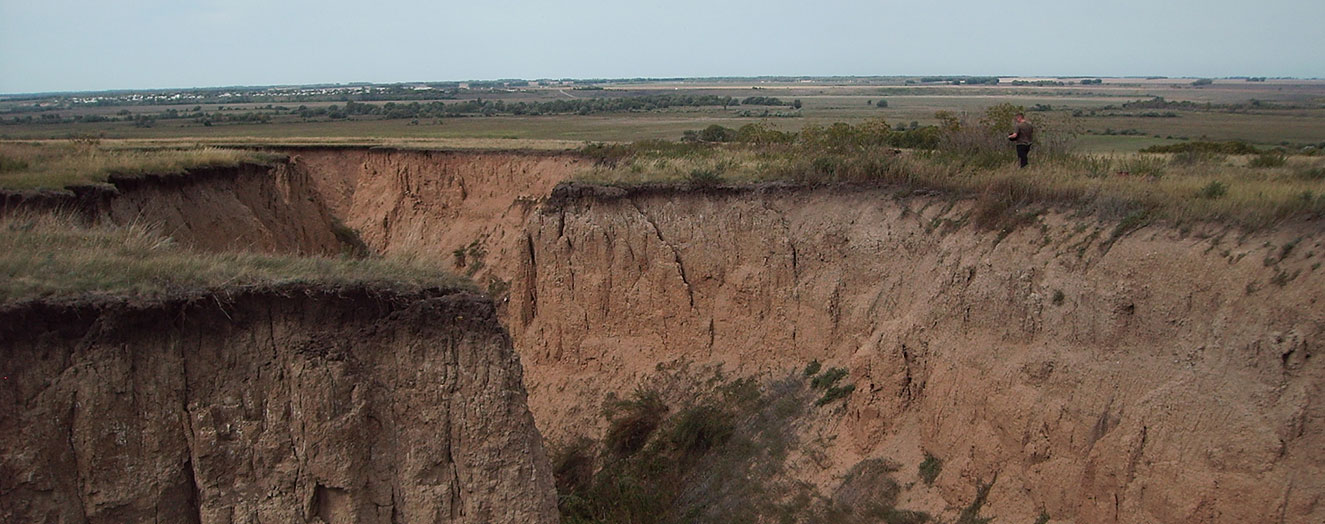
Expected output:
{"points": [[285, 405], [1161, 377], [1168, 375]]}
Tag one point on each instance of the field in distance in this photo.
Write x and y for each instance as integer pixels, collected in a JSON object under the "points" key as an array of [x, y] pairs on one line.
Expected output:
{"points": [[1110, 114]]}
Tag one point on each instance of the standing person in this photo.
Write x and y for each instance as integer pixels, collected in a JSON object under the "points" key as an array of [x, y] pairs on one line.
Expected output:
{"points": [[1022, 135]]}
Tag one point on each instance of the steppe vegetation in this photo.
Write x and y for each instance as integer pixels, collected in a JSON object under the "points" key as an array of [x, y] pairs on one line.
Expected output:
{"points": [[85, 161], [968, 155], [57, 255]]}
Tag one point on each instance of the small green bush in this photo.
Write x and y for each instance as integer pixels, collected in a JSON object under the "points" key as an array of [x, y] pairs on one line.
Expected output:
{"points": [[1215, 189], [1269, 159], [930, 468], [828, 379], [835, 393], [812, 368]]}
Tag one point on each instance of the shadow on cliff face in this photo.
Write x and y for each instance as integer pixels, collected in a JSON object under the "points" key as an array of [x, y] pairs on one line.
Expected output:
{"points": [[721, 454]]}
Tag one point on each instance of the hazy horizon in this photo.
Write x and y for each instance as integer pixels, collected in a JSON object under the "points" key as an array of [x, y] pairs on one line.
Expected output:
{"points": [[75, 45]]}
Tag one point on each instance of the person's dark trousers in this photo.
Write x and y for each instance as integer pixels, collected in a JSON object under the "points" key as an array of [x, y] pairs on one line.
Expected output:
{"points": [[1022, 151]]}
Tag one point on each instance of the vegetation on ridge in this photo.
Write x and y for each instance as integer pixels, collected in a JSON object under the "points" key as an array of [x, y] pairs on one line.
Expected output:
{"points": [[969, 156], [50, 255], [85, 161]]}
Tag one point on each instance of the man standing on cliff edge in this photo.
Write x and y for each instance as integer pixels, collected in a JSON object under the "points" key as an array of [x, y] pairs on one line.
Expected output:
{"points": [[1021, 136]]}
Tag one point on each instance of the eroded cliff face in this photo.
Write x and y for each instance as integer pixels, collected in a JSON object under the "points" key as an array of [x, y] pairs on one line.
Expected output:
{"points": [[1156, 377], [250, 207], [465, 210], [1159, 375], [289, 405]]}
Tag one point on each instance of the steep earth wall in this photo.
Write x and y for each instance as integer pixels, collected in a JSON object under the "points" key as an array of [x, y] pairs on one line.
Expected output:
{"points": [[251, 207], [287, 405], [464, 209], [1161, 377]]}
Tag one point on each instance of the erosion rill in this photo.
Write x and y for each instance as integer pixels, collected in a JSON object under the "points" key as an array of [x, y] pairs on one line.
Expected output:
{"points": [[1090, 372]]}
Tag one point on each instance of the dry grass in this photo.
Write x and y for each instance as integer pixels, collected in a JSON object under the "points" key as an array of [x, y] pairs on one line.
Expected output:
{"points": [[46, 256], [55, 165], [1110, 186]]}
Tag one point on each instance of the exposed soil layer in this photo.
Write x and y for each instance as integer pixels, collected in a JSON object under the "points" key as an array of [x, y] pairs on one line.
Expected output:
{"points": [[1098, 373], [1158, 376], [251, 207], [286, 405]]}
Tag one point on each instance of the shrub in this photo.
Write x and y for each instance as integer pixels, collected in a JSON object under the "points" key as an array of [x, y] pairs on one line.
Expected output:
{"points": [[12, 164], [717, 133], [1312, 173], [1142, 165], [1269, 159], [1213, 190], [828, 379], [835, 393], [930, 468], [1096, 166], [349, 237], [1226, 148], [971, 513], [881, 103], [632, 422], [1195, 157], [701, 428], [812, 368], [572, 465]]}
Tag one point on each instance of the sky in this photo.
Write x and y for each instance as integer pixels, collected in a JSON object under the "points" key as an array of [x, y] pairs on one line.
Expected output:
{"points": [[77, 45]]}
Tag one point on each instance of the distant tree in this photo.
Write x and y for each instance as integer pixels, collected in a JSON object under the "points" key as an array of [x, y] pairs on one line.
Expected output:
{"points": [[1203, 82], [881, 103], [796, 104]]}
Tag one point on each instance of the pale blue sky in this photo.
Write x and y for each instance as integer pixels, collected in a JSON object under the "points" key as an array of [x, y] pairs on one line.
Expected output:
{"points": [[63, 45]]}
